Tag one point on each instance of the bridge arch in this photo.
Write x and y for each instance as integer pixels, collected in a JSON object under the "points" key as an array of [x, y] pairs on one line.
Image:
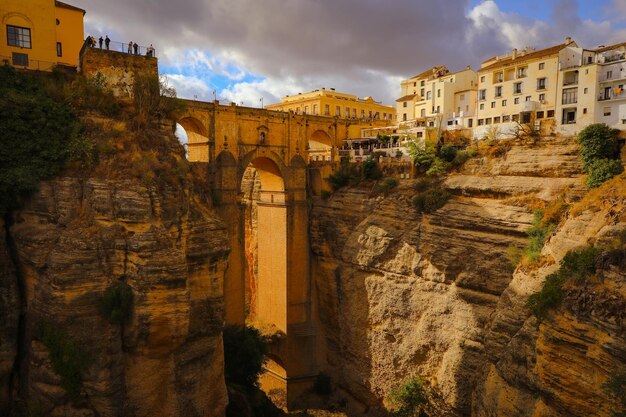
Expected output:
{"points": [[320, 146], [197, 138]]}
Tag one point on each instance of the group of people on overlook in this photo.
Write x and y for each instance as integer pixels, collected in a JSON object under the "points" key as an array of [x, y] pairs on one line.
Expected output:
{"points": [[133, 47]]}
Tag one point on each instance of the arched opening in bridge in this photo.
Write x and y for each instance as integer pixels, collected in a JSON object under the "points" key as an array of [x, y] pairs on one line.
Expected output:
{"points": [[320, 147], [265, 230], [191, 130]]}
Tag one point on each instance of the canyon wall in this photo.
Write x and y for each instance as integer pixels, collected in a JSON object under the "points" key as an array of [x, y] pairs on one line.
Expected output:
{"points": [[77, 239], [403, 294]]}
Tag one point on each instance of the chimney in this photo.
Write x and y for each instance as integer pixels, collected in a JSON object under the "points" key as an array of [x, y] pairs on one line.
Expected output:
{"points": [[514, 54], [568, 40]]}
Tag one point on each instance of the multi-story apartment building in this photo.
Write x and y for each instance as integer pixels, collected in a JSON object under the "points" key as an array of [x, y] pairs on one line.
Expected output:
{"points": [[437, 99], [592, 88], [39, 34], [519, 87], [333, 103]]}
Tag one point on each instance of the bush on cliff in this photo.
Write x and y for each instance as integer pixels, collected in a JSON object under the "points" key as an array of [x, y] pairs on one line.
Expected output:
{"points": [[599, 152], [116, 303], [39, 135], [409, 399], [431, 200], [615, 387], [577, 265], [244, 355], [69, 359]]}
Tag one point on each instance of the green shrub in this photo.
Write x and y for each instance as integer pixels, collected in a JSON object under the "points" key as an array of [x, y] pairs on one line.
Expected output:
{"points": [[576, 265], [579, 264], [424, 184], [549, 297], [385, 185], [615, 387], [462, 157], [431, 200], [69, 359], [537, 234], [437, 168], [348, 174], [448, 153], [244, 355], [371, 170], [409, 398], [601, 170], [325, 194], [117, 302], [38, 135], [422, 158], [322, 384], [598, 141]]}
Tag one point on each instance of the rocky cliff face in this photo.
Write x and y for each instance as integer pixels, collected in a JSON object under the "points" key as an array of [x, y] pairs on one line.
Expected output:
{"points": [[403, 294], [78, 237], [557, 368]]}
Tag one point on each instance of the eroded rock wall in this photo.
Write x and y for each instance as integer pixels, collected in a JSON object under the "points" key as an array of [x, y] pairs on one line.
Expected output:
{"points": [[77, 237], [403, 294]]}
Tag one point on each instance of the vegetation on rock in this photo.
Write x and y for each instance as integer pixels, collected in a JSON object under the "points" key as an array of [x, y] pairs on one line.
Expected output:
{"points": [[615, 386], [434, 163], [577, 265], [431, 200], [409, 399], [244, 355], [385, 185], [116, 303], [39, 135], [69, 359], [599, 152]]}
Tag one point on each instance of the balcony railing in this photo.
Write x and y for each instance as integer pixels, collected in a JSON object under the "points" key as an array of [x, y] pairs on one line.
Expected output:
{"points": [[127, 48], [570, 82]]}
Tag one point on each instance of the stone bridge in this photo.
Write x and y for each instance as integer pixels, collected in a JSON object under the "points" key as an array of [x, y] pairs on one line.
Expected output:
{"points": [[268, 281]]}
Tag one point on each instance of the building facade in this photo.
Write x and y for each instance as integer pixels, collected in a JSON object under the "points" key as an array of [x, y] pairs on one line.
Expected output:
{"points": [[519, 87], [39, 34], [335, 104]]}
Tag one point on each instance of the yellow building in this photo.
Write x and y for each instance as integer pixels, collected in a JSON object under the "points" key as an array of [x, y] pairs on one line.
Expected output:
{"points": [[333, 103], [39, 34], [519, 87]]}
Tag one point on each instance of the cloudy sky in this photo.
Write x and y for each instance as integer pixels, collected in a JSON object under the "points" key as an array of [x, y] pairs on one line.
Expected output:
{"points": [[245, 50]]}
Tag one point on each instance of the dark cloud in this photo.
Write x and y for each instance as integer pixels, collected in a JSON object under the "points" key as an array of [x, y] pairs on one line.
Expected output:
{"points": [[342, 42]]}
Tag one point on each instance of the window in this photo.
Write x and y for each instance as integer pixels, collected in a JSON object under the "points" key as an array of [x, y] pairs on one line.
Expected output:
{"points": [[516, 117], [347, 112], [527, 98], [503, 103], [423, 83], [415, 84], [482, 106], [326, 109], [609, 75], [315, 109], [423, 113], [585, 90], [542, 65], [496, 119], [428, 95], [541, 83], [482, 94], [470, 122], [462, 97], [607, 111], [540, 115], [493, 104], [542, 97], [585, 110], [354, 113], [362, 114], [570, 96], [488, 121], [438, 109], [20, 60], [516, 100], [404, 104], [482, 79], [18, 36], [338, 111], [481, 122], [550, 113], [506, 119], [517, 88], [420, 134], [404, 117], [498, 77], [59, 49], [306, 109], [438, 93], [498, 92], [522, 72]]}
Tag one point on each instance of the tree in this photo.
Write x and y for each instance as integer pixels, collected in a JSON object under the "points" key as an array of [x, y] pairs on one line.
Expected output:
{"points": [[598, 141]]}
